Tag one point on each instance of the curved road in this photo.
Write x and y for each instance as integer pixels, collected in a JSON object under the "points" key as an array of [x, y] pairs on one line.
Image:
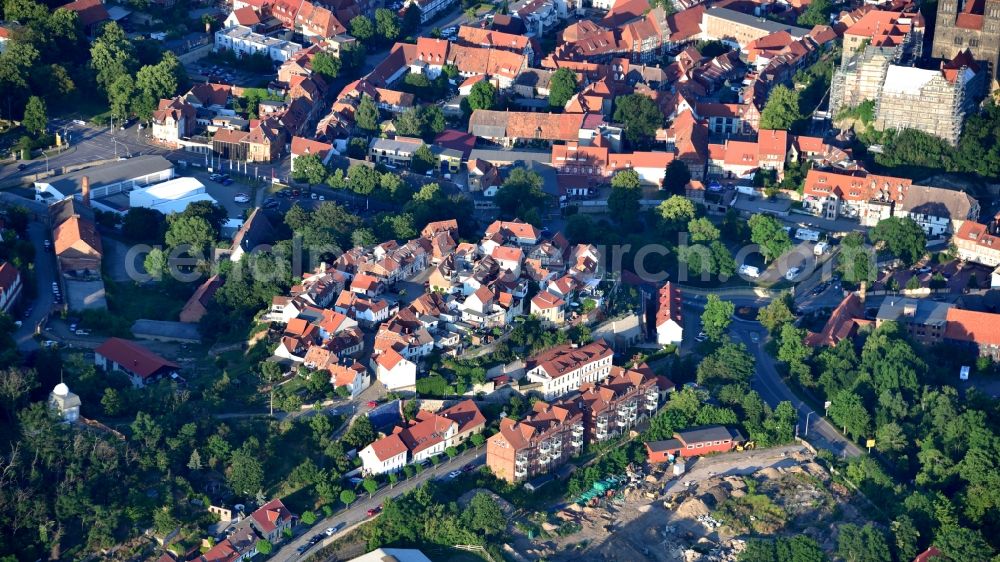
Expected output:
{"points": [[768, 383]]}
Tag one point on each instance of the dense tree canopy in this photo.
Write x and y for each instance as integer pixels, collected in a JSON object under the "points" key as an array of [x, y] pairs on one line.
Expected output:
{"points": [[767, 232], [641, 118], [903, 237], [562, 86]]}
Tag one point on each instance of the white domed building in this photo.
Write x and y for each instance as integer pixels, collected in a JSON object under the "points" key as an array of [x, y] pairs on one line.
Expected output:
{"points": [[65, 403]]}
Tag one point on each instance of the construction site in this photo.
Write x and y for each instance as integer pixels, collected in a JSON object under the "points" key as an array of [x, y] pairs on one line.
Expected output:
{"points": [[701, 510]]}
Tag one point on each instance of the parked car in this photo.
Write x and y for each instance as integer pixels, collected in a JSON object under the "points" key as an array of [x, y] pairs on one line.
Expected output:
{"points": [[374, 511], [372, 404], [82, 332], [454, 474], [242, 198], [334, 529], [22, 166], [702, 336], [469, 467], [792, 273]]}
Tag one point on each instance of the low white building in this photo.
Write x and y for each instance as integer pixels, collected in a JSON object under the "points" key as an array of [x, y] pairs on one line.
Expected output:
{"points": [[384, 456], [395, 371], [10, 286], [244, 41], [106, 179], [352, 377], [171, 196]]}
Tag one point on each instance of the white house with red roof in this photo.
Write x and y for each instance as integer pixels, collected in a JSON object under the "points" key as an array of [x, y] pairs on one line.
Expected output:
{"points": [[395, 371], [669, 323], [10, 286], [272, 519], [139, 364], [383, 456], [353, 377], [549, 308], [564, 368]]}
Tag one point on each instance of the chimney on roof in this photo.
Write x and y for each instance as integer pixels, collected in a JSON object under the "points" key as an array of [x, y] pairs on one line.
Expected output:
{"points": [[85, 190]]}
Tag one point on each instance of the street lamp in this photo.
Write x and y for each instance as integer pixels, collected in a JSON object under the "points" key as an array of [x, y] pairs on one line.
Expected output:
{"points": [[806, 434]]}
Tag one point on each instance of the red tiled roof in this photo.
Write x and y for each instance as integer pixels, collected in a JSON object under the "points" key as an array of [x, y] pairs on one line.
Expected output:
{"points": [[134, 357], [388, 447], [246, 16], [842, 324], [269, 515], [89, 11], [971, 326], [302, 146], [669, 304], [8, 276], [563, 359], [545, 300]]}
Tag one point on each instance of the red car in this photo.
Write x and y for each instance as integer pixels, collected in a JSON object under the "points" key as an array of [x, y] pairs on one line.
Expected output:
{"points": [[372, 403], [374, 511]]}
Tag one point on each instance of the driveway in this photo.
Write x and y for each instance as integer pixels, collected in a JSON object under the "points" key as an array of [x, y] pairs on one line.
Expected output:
{"points": [[45, 274], [358, 512]]}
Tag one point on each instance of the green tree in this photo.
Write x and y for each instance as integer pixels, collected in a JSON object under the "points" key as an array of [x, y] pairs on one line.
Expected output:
{"points": [[767, 232], [856, 262], [562, 87], [155, 263], [360, 434], [245, 473], [366, 117], [112, 402], [792, 348], [781, 111], [308, 517], [363, 179], [264, 547], [641, 118], [370, 486], [362, 28], [112, 56], [676, 177], [35, 116], [730, 363], [387, 25], [309, 168], [326, 65], [716, 318], [848, 411], [484, 515], [348, 497], [477, 440], [192, 231], [155, 82], [890, 437], [776, 314], [626, 192], [816, 13], [411, 18], [902, 237], [363, 237], [905, 537], [482, 96], [121, 94], [676, 211], [520, 193], [423, 159], [862, 544], [702, 230]]}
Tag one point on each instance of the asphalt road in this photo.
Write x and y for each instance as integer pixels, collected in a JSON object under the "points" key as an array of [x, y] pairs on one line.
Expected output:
{"points": [[769, 384], [358, 512], [45, 274]]}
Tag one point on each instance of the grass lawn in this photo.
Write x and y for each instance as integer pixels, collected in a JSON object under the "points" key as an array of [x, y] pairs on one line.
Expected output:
{"points": [[156, 301], [86, 108]]}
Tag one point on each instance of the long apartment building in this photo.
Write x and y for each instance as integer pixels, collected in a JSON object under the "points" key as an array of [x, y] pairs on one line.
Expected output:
{"points": [[553, 433], [565, 368], [870, 198]]}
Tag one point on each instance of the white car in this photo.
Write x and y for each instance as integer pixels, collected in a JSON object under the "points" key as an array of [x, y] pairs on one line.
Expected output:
{"points": [[454, 474], [792, 273], [242, 198]]}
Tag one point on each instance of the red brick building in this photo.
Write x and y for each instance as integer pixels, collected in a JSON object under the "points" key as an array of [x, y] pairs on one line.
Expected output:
{"points": [[695, 442]]}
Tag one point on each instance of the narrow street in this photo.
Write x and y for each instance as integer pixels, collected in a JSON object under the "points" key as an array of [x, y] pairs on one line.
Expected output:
{"points": [[358, 512], [45, 274]]}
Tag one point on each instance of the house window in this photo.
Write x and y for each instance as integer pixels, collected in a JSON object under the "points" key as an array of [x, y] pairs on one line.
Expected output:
{"points": [[958, 41], [973, 42]]}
